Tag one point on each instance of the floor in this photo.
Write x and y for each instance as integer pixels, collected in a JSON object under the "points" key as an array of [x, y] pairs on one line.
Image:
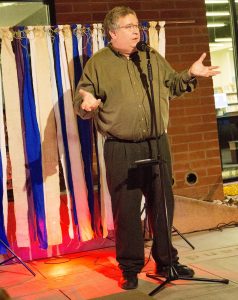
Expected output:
{"points": [[94, 274]]}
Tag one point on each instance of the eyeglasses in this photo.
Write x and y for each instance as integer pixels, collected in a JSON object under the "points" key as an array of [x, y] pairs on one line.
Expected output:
{"points": [[130, 27]]}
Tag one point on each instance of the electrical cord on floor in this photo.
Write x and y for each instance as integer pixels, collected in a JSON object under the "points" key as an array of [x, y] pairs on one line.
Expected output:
{"points": [[57, 260], [222, 226]]}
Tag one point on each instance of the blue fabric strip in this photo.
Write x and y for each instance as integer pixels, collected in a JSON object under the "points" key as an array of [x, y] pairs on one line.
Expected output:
{"points": [[85, 132], [144, 31], [33, 147], [63, 123], [77, 65], [87, 44], [3, 236], [106, 41]]}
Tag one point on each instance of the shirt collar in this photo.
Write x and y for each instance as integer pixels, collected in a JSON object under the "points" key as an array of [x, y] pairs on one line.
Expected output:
{"points": [[119, 54]]}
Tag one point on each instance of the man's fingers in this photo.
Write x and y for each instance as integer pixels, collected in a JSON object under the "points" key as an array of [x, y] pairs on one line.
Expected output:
{"points": [[83, 93], [215, 73], [214, 67], [202, 57], [90, 105], [89, 101], [86, 106], [213, 70]]}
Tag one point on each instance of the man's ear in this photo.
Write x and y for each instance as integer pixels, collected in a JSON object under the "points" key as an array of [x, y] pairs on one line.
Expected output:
{"points": [[112, 34]]}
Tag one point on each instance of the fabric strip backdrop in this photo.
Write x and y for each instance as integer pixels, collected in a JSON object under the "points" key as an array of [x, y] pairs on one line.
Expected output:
{"points": [[47, 149]]}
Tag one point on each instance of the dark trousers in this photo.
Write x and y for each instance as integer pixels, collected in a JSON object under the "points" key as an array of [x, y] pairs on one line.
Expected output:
{"points": [[126, 186]]}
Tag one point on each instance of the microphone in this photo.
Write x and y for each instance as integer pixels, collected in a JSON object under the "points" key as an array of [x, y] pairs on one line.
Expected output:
{"points": [[142, 46]]}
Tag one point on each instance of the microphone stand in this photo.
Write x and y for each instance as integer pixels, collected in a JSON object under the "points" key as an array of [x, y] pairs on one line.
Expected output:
{"points": [[150, 161], [172, 273], [15, 256]]}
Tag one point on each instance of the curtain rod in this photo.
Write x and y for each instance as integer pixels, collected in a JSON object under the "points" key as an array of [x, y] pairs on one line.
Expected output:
{"points": [[167, 22], [181, 22], [173, 22]]}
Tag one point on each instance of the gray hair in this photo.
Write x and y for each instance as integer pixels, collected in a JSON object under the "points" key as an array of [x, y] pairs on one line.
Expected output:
{"points": [[111, 19]]}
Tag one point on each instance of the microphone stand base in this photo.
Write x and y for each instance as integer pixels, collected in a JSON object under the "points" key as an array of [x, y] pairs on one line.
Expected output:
{"points": [[172, 276]]}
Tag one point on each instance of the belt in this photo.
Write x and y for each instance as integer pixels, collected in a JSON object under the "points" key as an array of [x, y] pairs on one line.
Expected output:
{"points": [[112, 139]]}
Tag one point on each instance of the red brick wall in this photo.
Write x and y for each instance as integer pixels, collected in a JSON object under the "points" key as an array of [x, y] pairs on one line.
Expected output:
{"points": [[193, 127]]}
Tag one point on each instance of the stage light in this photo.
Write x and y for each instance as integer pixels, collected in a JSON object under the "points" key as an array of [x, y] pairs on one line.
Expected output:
{"points": [[216, 24], [217, 1], [217, 45], [217, 13], [224, 40]]}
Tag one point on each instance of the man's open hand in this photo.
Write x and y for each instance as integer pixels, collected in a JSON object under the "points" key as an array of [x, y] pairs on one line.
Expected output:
{"points": [[89, 103], [200, 70]]}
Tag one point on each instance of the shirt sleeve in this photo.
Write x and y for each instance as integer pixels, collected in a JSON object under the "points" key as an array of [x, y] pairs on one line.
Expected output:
{"points": [[87, 82], [177, 83]]}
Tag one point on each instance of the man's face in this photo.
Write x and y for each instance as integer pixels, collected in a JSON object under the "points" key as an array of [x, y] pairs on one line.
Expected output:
{"points": [[127, 35]]}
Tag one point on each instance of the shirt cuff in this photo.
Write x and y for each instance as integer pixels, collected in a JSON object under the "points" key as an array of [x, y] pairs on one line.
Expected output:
{"points": [[187, 78]]}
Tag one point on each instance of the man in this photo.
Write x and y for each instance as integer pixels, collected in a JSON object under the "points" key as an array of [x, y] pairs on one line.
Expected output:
{"points": [[114, 90]]}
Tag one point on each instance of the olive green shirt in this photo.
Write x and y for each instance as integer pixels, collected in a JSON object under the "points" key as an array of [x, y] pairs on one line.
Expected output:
{"points": [[124, 88]]}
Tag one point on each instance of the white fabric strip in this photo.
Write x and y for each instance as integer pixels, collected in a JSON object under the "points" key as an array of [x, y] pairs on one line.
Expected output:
{"points": [[100, 37], [106, 206], [3, 149], [153, 35], [95, 38], [15, 142], [59, 130], [30, 36], [79, 184], [162, 40], [69, 54], [3, 158], [50, 167]]}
